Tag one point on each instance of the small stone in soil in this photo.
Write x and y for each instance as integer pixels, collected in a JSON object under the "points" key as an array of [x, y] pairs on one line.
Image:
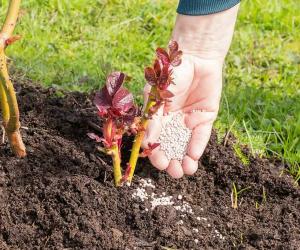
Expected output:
{"points": [[201, 218]]}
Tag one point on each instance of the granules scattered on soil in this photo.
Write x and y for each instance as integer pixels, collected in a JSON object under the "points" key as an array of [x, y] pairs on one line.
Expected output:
{"points": [[146, 193], [174, 137]]}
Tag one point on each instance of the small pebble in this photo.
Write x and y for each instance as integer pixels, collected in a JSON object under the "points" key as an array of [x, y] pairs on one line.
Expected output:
{"points": [[179, 197], [196, 241], [201, 218]]}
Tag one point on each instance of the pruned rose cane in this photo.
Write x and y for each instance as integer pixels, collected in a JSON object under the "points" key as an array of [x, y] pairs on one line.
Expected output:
{"points": [[8, 99]]}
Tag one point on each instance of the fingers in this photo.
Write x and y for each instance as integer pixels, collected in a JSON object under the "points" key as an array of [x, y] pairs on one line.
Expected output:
{"points": [[159, 159], [199, 140], [175, 169], [200, 137], [194, 119], [189, 166]]}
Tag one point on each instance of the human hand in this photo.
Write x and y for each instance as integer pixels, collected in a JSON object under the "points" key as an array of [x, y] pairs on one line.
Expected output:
{"points": [[204, 41]]}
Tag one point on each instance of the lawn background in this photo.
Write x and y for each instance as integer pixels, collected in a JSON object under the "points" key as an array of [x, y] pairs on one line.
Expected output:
{"points": [[73, 45]]}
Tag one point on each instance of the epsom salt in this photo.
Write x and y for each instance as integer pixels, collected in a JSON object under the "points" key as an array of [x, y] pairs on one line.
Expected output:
{"points": [[174, 137]]}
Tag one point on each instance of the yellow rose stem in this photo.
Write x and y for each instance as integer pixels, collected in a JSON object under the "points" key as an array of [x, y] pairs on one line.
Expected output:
{"points": [[140, 136], [9, 104], [115, 155]]}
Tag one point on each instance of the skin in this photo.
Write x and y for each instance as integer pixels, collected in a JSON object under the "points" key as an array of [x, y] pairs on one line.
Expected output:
{"points": [[205, 41]]}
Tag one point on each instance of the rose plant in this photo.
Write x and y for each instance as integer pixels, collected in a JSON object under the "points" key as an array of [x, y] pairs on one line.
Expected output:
{"points": [[116, 108]]}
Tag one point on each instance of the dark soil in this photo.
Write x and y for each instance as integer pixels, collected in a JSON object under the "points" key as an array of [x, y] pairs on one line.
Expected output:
{"points": [[62, 195]]}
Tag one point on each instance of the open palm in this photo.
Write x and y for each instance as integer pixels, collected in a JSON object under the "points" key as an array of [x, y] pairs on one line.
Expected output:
{"points": [[198, 84]]}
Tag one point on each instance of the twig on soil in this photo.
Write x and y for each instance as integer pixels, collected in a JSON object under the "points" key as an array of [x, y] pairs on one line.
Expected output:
{"points": [[103, 162], [94, 126], [8, 214], [46, 242]]}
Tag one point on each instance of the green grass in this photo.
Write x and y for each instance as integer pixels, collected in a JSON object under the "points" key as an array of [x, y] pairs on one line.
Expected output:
{"points": [[74, 44]]}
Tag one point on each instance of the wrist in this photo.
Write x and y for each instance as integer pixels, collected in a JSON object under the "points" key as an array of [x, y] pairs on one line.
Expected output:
{"points": [[208, 36]]}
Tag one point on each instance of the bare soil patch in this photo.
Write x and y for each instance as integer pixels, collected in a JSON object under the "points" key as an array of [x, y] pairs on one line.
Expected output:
{"points": [[62, 195]]}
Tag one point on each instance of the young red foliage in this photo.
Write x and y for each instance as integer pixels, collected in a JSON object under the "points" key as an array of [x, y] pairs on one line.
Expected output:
{"points": [[160, 75], [113, 100], [148, 151], [12, 39], [115, 105], [126, 174]]}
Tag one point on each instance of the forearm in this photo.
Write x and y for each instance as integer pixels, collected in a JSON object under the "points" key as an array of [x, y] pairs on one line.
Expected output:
{"points": [[206, 36]]}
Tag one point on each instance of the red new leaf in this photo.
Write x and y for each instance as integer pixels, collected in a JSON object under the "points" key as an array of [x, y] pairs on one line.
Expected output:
{"points": [[126, 174], [150, 76], [122, 100], [163, 56], [166, 94], [131, 117], [164, 79], [103, 101], [148, 151], [157, 67], [114, 81], [12, 39], [173, 46], [175, 58], [94, 137]]}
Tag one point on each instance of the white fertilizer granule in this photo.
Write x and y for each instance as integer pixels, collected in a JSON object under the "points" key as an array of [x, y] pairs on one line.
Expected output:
{"points": [[174, 137], [218, 234]]}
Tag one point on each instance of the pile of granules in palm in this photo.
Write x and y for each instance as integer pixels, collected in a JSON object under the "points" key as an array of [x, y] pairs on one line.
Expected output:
{"points": [[174, 137]]}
